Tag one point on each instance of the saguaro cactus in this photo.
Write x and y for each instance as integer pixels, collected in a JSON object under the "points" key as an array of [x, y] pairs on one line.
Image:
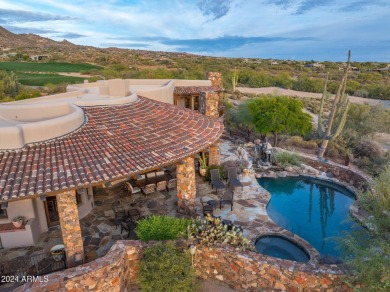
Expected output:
{"points": [[328, 130], [234, 79]]}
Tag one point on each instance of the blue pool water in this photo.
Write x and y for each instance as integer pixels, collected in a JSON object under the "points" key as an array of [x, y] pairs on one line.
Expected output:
{"points": [[316, 211]]}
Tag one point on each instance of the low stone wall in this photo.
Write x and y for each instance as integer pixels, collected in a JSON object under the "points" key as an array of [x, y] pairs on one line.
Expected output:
{"points": [[249, 271], [116, 271], [343, 173]]}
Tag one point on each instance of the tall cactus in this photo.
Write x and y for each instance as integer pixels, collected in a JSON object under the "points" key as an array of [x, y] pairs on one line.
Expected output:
{"points": [[328, 130], [234, 80]]}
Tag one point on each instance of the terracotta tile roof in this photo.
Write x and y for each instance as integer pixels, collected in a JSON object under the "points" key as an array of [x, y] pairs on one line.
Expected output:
{"points": [[115, 141], [195, 89]]}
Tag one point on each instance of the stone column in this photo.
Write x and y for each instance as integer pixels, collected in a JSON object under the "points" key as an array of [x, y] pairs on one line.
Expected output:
{"points": [[70, 227], [208, 105], [186, 187], [215, 78], [214, 154]]}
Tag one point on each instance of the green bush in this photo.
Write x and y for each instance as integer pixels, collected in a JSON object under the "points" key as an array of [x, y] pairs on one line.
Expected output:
{"points": [[161, 228], [287, 158], [165, 268]]}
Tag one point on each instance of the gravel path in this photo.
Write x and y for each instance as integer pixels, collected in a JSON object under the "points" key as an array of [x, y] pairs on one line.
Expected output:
{"points": [[289, 92]]}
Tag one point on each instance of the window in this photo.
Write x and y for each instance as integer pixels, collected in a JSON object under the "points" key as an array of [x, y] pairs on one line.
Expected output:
{"points": [[3, 213], [79, 198]]}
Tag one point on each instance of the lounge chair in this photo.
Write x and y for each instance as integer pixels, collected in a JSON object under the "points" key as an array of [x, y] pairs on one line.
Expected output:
{"points": [[216, 181], [233, 180], [148, 189], [227, 199]]}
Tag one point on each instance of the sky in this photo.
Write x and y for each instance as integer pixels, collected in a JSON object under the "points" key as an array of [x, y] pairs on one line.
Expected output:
{"points": [[321, 30]]}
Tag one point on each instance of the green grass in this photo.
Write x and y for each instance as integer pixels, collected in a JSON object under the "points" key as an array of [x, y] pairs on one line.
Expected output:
{"points": [[43, 79], [46, 67]]}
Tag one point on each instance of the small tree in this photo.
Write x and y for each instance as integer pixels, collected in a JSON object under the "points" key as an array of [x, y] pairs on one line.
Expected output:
{"points": [[328, 130], [279, 114]]}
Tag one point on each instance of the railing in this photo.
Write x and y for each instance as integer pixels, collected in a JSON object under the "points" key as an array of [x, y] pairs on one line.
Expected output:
{"points": [[35, 265]]}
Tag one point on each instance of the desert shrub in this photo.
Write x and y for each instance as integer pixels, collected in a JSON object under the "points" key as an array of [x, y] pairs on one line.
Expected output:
{"points": [[210, 231], [368, 257], [334, 150], [286, 158], [210, 167], [370, 149], [161, 228], [165, 268], [298, 141]]}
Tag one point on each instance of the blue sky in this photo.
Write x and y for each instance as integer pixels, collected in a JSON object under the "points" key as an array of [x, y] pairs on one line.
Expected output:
{"points": [[279, 29]]}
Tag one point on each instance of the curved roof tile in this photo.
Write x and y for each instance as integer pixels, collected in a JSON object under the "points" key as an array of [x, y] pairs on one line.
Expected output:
{"points": [[114, 142]]}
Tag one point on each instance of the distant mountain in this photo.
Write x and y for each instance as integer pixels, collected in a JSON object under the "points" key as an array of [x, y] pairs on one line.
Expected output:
{"points": [[12, 40]]}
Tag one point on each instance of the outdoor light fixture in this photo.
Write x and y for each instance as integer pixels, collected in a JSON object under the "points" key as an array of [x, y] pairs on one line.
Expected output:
{"points": [[192, 252], [180, 162], [4, 205], [43, 197], [108, 184], [139, 176]]}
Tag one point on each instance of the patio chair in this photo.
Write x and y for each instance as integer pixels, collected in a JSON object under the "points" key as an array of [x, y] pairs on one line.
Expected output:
{"points": [[161, 186], [206, 208], [233, 180], [131, 189], [128, 225], [148, 189], [226, 199], [134, 214], [119, 216], [172, 184], [216, 181]]}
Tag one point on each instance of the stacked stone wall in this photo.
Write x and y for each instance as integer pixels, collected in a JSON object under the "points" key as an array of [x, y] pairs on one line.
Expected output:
{"points": [[251, 271], [248, 271], [215, 78], [342, 173]]}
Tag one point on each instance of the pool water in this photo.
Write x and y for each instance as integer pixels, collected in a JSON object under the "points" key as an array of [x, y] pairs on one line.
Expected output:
{"points": [[282, 248], [314, 210]]}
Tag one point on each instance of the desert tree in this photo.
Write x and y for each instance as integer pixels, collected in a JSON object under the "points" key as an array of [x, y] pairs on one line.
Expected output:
{"points": [[279, 114]]}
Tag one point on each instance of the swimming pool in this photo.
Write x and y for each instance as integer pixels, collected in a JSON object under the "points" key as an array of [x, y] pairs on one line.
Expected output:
{"points": [[315, 210]]}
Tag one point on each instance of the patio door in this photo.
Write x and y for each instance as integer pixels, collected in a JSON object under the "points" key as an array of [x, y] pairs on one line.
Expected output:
{"points": [[51, 209]]}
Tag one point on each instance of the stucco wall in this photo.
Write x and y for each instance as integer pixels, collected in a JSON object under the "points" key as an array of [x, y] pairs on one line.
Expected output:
{"points": [[23, 208], [87, 204]]}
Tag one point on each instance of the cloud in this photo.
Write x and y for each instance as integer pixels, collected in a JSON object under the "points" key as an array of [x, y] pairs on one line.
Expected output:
{"points": [[126, 45], [212, 45], [308, 5], [11, 16], [71, 35], [20, 29], [214, 8], [363, 4]]}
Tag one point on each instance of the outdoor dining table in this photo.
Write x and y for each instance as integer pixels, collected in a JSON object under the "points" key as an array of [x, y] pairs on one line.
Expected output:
{"points": [[153, 180]]}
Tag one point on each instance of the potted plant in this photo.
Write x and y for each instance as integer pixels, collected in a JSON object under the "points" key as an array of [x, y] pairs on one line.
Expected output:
{"points": [[18, 221], [202, 164], [58, 252]]}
